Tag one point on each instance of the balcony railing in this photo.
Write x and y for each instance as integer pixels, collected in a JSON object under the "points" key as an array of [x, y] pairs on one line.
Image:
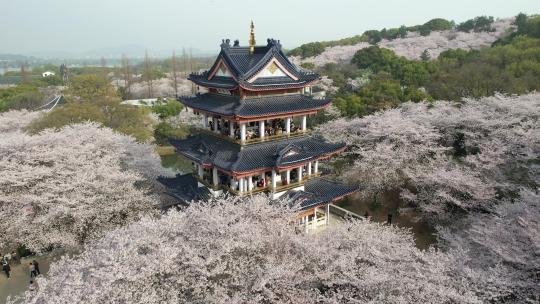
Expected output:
{"points": [[251, 141], [279, 188]]}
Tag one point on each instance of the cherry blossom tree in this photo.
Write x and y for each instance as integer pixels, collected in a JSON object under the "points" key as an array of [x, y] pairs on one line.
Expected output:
{"points": [[415, 44], [16, 120], [234, 251], [509, 238], [474, 165], [62, 188], [444, 155]]}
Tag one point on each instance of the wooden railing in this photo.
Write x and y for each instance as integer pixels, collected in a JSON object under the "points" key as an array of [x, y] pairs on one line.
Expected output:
{"points": [[282, 187], [268, 188], [344, 213]]}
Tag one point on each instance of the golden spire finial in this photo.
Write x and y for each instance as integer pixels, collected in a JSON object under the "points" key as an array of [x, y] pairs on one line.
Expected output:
{"points": [[252, 39]]}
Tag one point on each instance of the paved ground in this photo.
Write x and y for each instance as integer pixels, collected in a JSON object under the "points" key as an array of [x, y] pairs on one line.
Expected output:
{"points": [[20, 277]]}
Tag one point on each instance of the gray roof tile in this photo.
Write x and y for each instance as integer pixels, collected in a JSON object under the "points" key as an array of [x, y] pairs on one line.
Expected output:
{"points": [[261, 106], [210, 150]]}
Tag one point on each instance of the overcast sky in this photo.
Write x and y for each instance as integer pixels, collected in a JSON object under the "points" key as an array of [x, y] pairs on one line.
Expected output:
{"points": [[33, 26]]}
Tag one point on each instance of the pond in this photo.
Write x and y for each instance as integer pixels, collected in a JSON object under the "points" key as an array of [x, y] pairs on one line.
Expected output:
{"points": [[172, 161], [391, 203]]}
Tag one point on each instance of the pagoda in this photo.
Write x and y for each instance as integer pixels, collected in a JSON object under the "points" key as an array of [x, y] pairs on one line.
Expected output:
{"points": [[254, 104]]}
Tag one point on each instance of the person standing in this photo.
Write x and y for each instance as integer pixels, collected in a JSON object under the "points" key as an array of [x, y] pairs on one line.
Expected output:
{"points": [[6, 268], [36, 266], [32, 270], [7, 257], [14, 257]]}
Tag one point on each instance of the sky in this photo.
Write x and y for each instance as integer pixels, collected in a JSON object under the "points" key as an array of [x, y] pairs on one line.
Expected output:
{"points": [[75, 26]]}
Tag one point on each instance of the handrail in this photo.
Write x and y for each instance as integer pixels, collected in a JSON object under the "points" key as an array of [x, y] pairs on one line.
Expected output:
{"points": [[297, 183], [258, 189], [345, 212], [255, 140]]}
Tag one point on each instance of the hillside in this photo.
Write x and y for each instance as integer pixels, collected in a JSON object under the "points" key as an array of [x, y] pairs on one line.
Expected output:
{"points": [[414, 44]]}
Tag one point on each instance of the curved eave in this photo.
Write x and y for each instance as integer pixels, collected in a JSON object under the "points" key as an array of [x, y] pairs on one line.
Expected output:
{"points": [[235, 173], [194, 158], [212, 84], [270, 87], [311, 159], [249, 118], [274, 115]]}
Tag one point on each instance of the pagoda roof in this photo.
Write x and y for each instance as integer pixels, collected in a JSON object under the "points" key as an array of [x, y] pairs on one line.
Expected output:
{"points": [[319, 191], [209, 150], [184, 188], [244, 69], [233, 106]]}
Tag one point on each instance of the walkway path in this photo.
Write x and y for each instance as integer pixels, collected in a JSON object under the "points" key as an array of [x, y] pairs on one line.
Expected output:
{"points": [[20, 276]]}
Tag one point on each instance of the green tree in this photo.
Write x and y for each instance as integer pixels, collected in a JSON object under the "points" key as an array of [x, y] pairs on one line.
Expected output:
{"points": [[20, 97], [92, 98], [89, 88], [164, 131], [27, 100], [168, 109], [402, 33], [375, 58]]}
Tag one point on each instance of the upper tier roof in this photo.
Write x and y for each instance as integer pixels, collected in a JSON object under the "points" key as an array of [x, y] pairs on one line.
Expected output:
{"points": [[233, 106], [212, 151], [267, 68]]}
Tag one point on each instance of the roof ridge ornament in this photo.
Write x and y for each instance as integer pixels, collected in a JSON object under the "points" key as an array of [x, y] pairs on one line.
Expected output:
{"points": [[225, 43], [273, 42], [252, 39]]}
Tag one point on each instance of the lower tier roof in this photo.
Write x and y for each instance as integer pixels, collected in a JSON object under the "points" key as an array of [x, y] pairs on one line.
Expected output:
{"points": [[184, 188], [318, 192], [232, 106], [209, 150]]}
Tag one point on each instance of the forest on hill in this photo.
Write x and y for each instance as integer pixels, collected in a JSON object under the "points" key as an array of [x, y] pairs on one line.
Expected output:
{"points": [[377, 78]]}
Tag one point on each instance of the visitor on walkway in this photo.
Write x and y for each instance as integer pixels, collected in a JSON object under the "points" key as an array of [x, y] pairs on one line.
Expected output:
{"points": [[6, 268], [32, 286], [36, 266], [14, 257], [32, 270], [7, 257]]}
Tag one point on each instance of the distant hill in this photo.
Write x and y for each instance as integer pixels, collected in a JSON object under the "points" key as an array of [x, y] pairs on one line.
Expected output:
{"points": [[14, 57], [409, 42]]}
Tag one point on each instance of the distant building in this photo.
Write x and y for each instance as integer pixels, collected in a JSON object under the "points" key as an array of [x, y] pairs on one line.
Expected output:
{"points": [[144, 102], [48, 73]]}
